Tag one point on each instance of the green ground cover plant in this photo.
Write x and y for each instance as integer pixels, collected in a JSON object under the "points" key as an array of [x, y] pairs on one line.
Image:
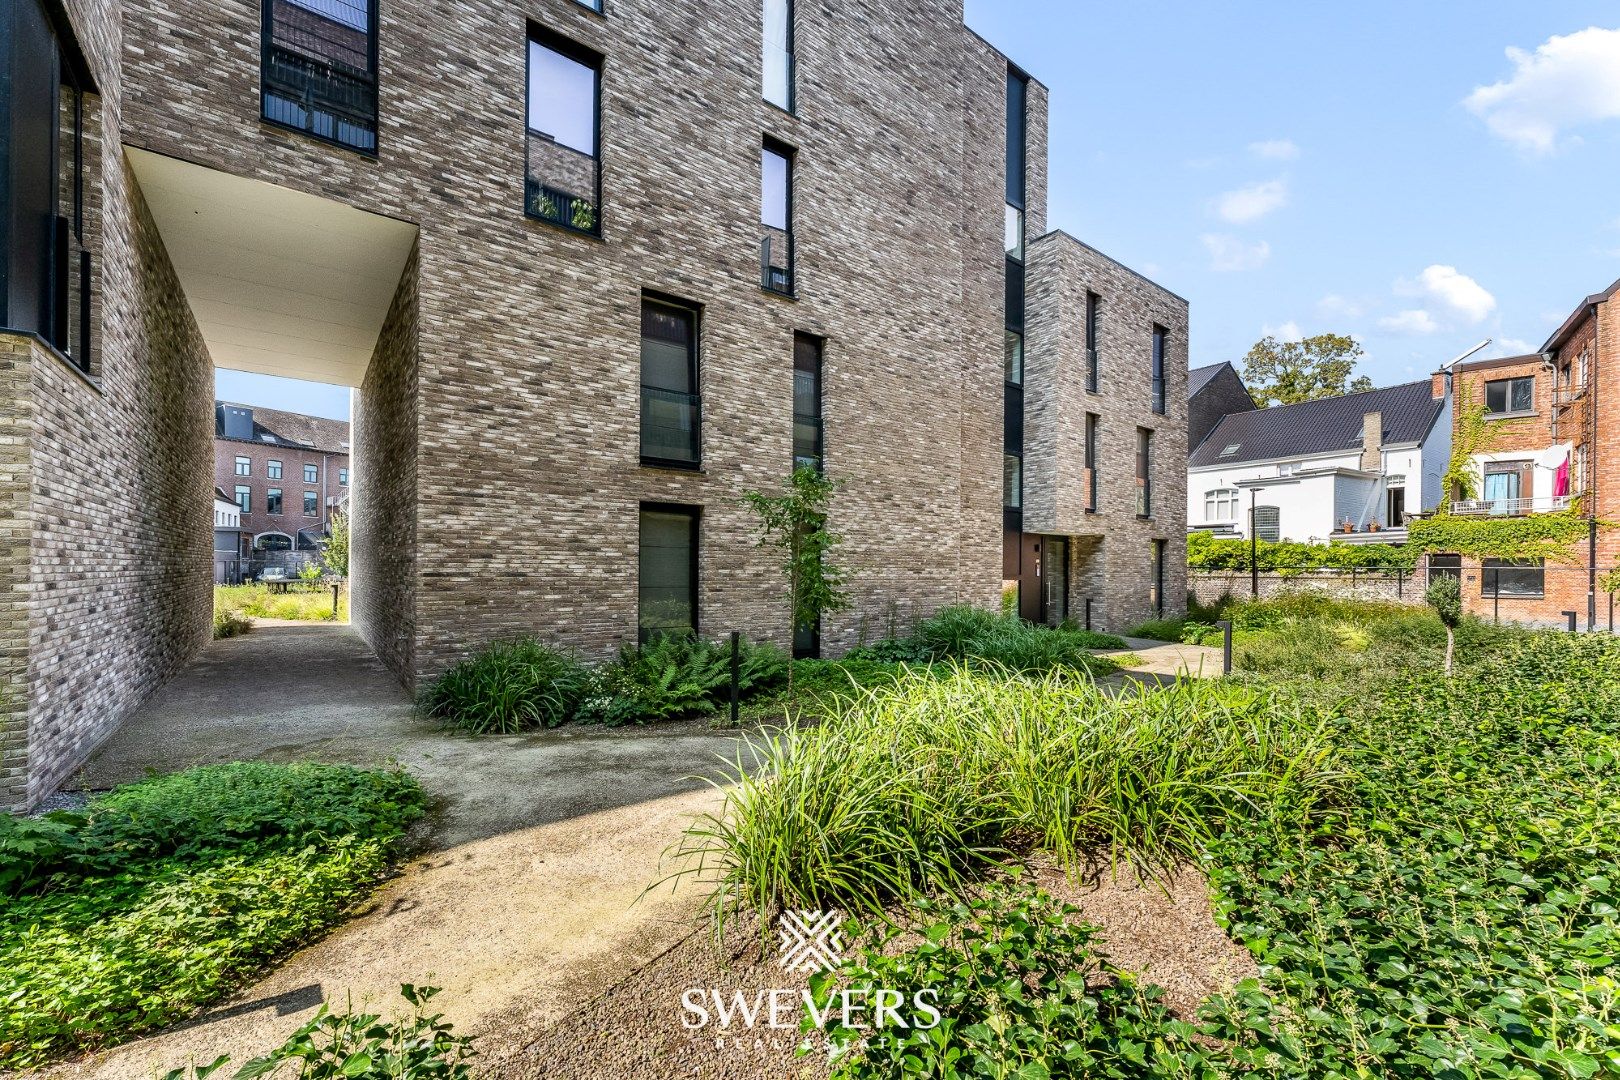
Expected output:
{"points": [[972, 634], [1208, 552], [258, 602], [165, 895]]}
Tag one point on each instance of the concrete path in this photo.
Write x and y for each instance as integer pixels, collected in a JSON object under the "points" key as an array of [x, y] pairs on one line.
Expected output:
{"points": [[532, 885], [1164, 661]]}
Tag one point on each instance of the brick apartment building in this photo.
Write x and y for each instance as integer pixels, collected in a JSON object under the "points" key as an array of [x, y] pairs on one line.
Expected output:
{"points": [[286, 472], [594, 274], [1553, 419]]}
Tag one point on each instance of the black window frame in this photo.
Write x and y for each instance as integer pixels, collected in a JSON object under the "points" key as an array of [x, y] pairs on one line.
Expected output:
{"points": [[343, 477], [1161, 339], [809, 356], [792, 49], [312, 504], [694, 380], [695, 514], [1093, 423], [373, 79], [273, 501], [272, 469], [1144, 472], [1508, 385], [312, 473], [243, 498], [790, 157], [243, 466], [1093, 366], [1160, 556], [549, 39], [1528, 578]]}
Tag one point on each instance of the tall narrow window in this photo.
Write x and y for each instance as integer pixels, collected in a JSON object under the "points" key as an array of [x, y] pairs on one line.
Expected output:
{"points": [[671, 409], [776, 217], [806, 402], [778, 59], [1144, 472], [1092, 419], [272, 501], [244, 498], [563, 182], [1159, 334], [318, 69], [1156, 588], [311, 503], [667, 598], [1012, 482], [1093, 368]]}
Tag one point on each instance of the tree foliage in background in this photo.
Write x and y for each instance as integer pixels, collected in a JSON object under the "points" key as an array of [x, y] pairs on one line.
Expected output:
{"points": [[336, 555], [795, 525], [1554, 537], [1206, 552], [1288, 372], [1444, 595]]}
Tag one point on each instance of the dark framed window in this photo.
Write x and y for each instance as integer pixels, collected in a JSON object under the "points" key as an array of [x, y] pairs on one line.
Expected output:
{"points": [[1159, 336], [1156, 588], [244, 498], [1012, 482], [776, 217], [1012, 358], [312, 503], [563, 175], [671, 407], [1514, 395], [807, 429], [244, 466], [343, 478], [45, 265], [1512, 577], [318, 70], [312, 474], [667, 560], [272, 469], [272, 501], [594, 5], [777, 67], [1093, 373], [1144, 472], [1092, 420]]}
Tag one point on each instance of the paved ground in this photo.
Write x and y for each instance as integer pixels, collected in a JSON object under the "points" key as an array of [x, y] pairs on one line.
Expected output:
{"points": [[531, 885], [1163, 662]]}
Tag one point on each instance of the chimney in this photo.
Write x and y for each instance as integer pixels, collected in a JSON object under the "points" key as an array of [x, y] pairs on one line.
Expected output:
{"points": [[1372, 442], [1441, 384]]}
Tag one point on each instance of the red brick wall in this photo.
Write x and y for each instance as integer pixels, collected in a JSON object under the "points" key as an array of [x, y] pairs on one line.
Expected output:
{"points": [[293, 460]]}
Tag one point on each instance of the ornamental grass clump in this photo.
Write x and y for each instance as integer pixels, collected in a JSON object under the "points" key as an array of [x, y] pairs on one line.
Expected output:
{"points": [[920, 786], [509, 687]]}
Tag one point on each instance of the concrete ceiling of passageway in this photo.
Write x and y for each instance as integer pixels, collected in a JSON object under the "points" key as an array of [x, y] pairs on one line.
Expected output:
{"points": [[281, 282]]}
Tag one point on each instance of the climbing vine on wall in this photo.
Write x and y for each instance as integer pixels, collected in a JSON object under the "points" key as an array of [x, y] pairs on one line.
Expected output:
{"points": [[1556, 537]]}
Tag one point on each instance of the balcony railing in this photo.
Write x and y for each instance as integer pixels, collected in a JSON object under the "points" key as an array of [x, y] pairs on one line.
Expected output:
{"points": [[671, 426], [561, 185], [776, 261], [1541, 504], [806, 441], [320, 99]]}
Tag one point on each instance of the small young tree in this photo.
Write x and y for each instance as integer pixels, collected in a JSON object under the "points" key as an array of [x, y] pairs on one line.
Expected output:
{"points": [[795, 525], [1444, 594], [336, 555]]}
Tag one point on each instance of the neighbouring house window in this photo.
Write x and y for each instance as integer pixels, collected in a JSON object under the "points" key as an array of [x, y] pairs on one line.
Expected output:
{"points": [[318, 70], [273, 542], [1093, 373], [1156, 588], [311, 503], [1506, 483], [1144, 472], [671, 408], [667, 597], [1268, 523], [272, 469], [1012, 482], [1159, 335], [312, 474], [244, 466], [1221, 504], [46, 101], [1577, 471], [776, 217], [563, 181], [1287, 468], [807, 430], [244, 498], [1511, 395], [343, 478], [778, 54], [1092, 422], [1512, 577], [272, 501]]}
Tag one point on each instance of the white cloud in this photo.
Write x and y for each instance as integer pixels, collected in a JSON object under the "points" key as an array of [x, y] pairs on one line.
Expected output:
{"points": [[1454, 290], [1335, 306], [1253, 202], [1414, 321], [1288, 331], [1569, 80], [1275, 149], [1228, 253]]}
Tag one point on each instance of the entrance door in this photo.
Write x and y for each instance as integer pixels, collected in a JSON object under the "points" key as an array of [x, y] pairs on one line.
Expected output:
{"points": [[1029, 577], [1055, 580], [1397, 508]]}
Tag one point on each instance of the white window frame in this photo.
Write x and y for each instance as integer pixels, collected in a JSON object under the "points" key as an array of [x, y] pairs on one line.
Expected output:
{"points": [[1215, 498]]}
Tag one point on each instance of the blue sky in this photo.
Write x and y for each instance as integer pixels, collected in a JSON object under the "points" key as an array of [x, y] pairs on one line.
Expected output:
{"points": [[1312, 167]]}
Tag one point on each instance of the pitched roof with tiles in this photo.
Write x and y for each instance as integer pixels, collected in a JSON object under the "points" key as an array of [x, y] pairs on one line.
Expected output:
{"points": [[1199, 376], [278, 428], [1326, 426]]}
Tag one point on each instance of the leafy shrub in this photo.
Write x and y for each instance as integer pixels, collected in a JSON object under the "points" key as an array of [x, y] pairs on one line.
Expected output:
{"points": [[230, 624], [913, 787], [677, 675], [510, 686], [969, 633], [362, 1046], [165, 895], [1208, 552], [1021, 991]]}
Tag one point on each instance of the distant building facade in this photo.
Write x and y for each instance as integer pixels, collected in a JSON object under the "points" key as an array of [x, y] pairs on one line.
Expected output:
{"points": [[285, 473], [1213, 393]]}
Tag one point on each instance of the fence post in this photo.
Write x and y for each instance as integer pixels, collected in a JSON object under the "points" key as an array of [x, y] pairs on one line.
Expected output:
{"points": [[1570, 615], [1611, 613], [1226, 646], [334, 597], [736, 671], [1496, 596], [1088, 611]]}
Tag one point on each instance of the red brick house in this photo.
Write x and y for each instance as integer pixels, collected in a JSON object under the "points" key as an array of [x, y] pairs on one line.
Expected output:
{"points": [[285, 471], [1553, 445]]}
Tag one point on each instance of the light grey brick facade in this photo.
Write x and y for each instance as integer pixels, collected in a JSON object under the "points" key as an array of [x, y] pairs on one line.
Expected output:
{"points": [[496, 474]]}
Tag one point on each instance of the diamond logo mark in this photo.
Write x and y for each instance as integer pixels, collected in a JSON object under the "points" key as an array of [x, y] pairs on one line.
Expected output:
{"points": [[810, 941]]}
